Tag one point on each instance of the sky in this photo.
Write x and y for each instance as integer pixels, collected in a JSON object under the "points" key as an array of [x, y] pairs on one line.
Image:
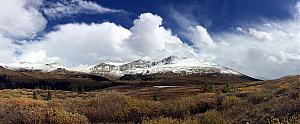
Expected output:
{"points": [[260, 38]]}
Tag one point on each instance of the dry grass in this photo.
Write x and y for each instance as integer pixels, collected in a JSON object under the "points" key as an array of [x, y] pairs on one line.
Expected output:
{"points": [[254, 102]]}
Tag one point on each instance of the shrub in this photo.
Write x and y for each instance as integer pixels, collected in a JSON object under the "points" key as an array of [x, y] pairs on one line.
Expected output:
{"points": [[293, 95], [155, 97], [168, 120], [137, 110], [59, 116], [3, 105], [294, 119], [227, 88], [27, 111], [260, 97], [161, 121], [212, 117], [116, 107], [49, 95], [182, 107], [178, 108], [261, 114], [209, 87], [104, 107], [107, 107], [35, 94], [230, 101], [11, 94]]}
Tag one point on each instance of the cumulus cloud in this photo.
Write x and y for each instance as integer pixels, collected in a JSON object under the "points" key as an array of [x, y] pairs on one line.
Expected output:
{"points": [[150, 38], [200, 38], [7, 50], [268, 50], [75, 44], [21, 18], [82, 43], [70, 7]]}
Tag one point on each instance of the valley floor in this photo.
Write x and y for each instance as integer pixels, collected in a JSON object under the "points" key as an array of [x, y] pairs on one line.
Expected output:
{"points": [[262, 102]]}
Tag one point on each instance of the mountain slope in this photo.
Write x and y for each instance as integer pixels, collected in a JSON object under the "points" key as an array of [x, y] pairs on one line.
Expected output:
{"points": [[59, 79], [172, 64], [172, 71], [26, 66]]}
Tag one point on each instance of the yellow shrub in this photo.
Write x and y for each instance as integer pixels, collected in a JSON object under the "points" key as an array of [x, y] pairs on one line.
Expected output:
{"points": [[230, 101], [25, 111], [59, 116], [259, 97], [105, 107], [28, 111], [169, 120], [212, 117], [136, 110]]}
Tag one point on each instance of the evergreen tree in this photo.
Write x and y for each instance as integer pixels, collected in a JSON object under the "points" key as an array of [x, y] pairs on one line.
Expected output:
{"points": [[156, 97], [227, 88], [209, 87], [35, 94], [82, 89], [49, 97]]}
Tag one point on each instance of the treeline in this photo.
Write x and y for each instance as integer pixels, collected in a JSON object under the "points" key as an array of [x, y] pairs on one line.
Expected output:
{"points": [[137, 77], [7, 83]]}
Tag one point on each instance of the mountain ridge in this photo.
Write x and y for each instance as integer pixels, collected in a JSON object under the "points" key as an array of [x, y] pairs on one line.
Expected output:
{"points": [[169, 64]]}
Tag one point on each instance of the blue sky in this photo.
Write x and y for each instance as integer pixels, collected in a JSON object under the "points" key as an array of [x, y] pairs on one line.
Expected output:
{"points": [[215, 15], [260, 38]]}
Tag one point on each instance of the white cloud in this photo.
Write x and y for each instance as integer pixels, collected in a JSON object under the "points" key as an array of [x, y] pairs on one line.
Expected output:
{"points": [[70, 7], [268, 50], [38, 56], [260, 34], [149, 38], [21, 18], [200, 38], [7, 50], [78, 44], [83, 43]]}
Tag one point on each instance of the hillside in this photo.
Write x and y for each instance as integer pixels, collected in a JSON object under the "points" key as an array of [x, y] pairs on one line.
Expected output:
{"points": [[56, 79], [171, 71], [171, 64]]}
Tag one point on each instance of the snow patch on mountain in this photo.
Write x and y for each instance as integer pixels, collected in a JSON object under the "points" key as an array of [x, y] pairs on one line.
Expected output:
{"points": [[81, 68], [25, 66], [171, 64]]}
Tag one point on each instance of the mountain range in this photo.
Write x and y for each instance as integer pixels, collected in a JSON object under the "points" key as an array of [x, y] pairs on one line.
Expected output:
{"points": [[171, 70]]}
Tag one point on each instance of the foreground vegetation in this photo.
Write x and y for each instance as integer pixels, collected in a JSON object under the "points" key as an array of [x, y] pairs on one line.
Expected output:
{"points": [[255, 102]]}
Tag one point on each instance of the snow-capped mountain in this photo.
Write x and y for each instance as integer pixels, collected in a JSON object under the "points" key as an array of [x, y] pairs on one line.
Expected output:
{"points": [[168, 71], [172, 64], [25, 66]]}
